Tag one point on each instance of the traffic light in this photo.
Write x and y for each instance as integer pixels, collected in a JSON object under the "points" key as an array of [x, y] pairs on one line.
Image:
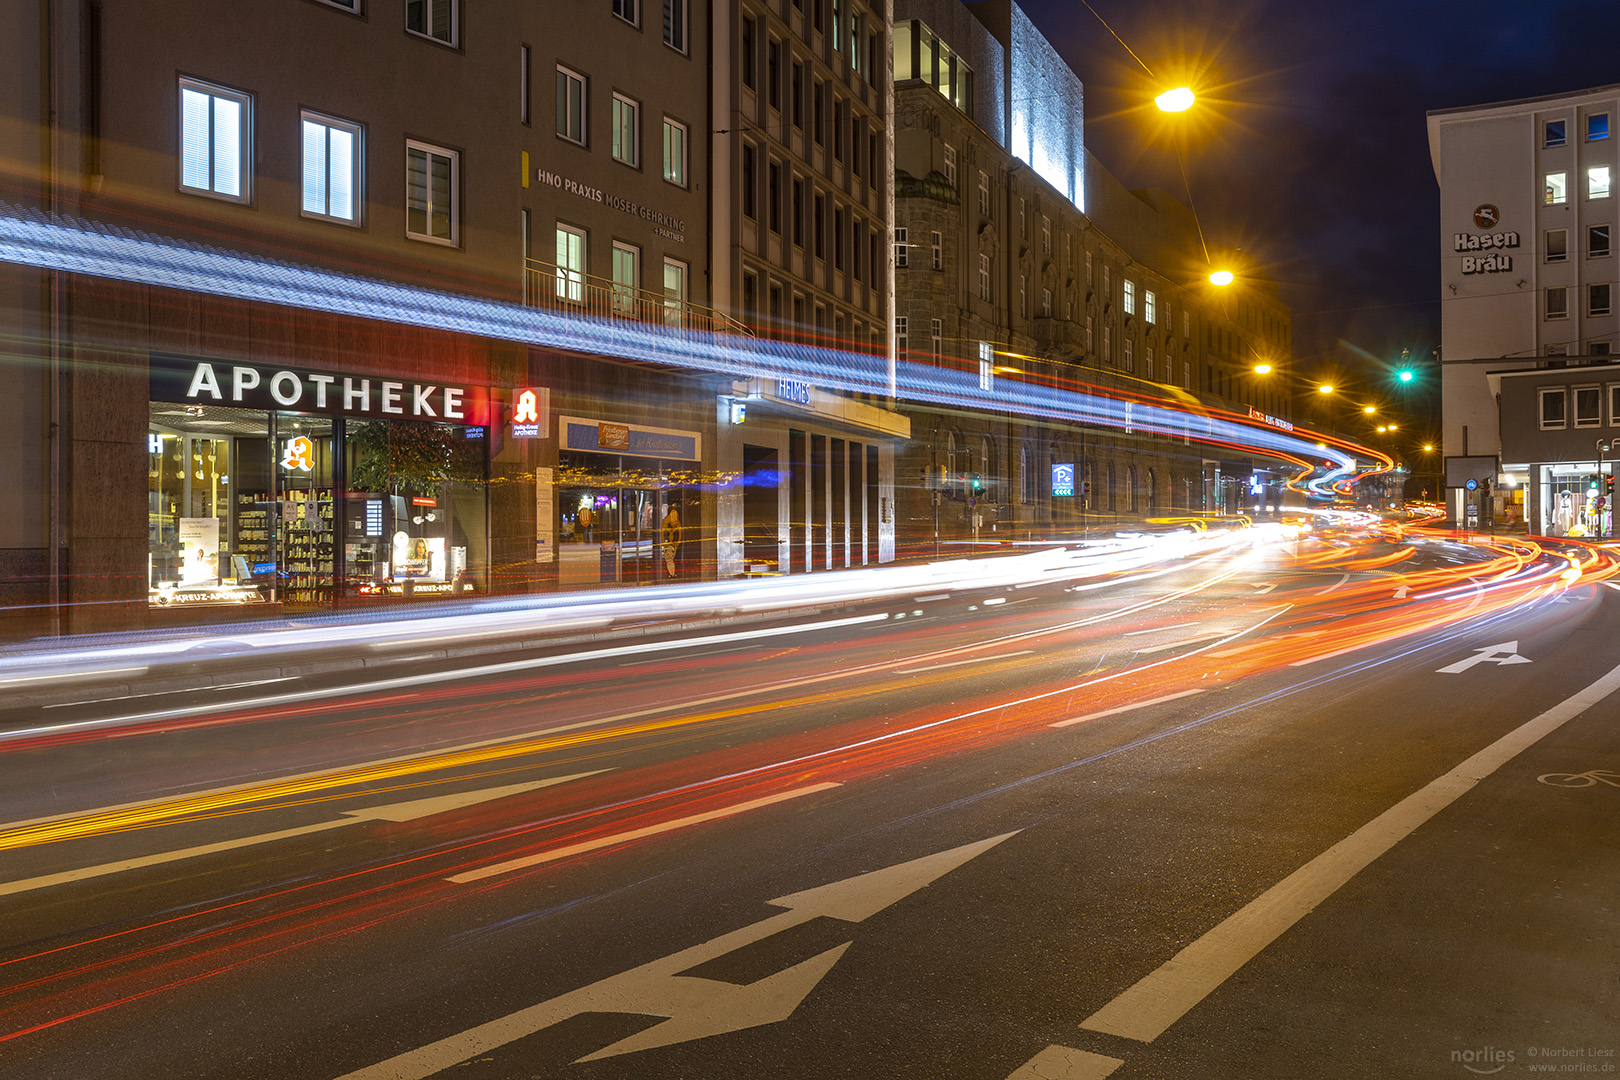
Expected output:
{"points": [[978, 483], [1405, 375]]}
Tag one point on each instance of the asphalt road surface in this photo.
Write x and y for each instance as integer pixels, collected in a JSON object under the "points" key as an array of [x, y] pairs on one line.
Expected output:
{"points": [[1345, 806]]}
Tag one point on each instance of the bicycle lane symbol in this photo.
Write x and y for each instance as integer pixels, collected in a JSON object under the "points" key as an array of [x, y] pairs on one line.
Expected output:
{"points": [[1580, 780]]}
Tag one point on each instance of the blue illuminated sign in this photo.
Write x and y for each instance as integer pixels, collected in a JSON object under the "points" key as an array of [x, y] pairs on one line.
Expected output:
{"points": [[1063, 479]]}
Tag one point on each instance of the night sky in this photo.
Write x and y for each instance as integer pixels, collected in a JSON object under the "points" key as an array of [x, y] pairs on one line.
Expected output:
{"points": [[1310, 151]]}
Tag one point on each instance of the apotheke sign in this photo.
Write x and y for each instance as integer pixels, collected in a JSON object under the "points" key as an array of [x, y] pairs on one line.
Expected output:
{"points": [[255, 386]]}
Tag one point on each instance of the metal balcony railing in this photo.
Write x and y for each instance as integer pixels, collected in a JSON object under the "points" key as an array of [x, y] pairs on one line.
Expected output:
{"points": [[559, 288]]}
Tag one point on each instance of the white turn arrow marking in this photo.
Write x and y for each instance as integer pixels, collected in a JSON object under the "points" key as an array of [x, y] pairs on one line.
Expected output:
{"points": [[696, 1007], [1505, 653], [1261, 590], [405, 811], [1400, 593]]}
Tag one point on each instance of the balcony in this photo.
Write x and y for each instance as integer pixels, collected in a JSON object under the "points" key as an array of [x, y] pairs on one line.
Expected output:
{"points": [[557, 288]]}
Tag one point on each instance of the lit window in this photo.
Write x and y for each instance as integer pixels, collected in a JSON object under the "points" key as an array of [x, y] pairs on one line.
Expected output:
{"points": [[900, 334], [1557, 302], [332, 158], [1597, 241], [1597, 299], [215, 140], [1129, 351], [987, 366], [626, 130], [1553, 133], [1046, 235], [1129, 299], [571, 105], [984, 194], [674, 151], [938, 244], [1597, 127], [1147, 362], [1557, 247], [674, 292], [1150, 304], [902, 248], [675, 24], [570, 264], [1046, 303], [431, 193], [1556, 193], [1597, 182], [434, 19], [626, 278], [936, 334], [984, 277]]}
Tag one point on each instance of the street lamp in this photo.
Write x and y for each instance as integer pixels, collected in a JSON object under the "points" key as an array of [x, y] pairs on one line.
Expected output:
{"points": [[1222, 278], [1179, 99], [1262, 369], [1325, 388]]}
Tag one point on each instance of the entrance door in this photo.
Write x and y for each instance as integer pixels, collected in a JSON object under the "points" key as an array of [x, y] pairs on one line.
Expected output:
{"points": [[761, 509]]}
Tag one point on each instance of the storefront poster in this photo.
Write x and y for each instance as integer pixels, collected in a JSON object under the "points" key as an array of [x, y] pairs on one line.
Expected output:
{"points": [[544, 514], [199, 551]]}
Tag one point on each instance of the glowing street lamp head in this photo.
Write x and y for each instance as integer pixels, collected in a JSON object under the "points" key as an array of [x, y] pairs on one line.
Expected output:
{"points": [[1179, 99], [1325, 388], [1369, 408], [1262, 369], [1222, 277]]}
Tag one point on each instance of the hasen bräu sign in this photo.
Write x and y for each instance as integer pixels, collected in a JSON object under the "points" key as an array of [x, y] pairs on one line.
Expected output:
{"points": [[197, 381], [1497, 262]]}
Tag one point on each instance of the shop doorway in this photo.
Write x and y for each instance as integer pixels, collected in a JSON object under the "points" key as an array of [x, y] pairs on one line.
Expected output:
{"points": [[624, 521], [761, 510]]}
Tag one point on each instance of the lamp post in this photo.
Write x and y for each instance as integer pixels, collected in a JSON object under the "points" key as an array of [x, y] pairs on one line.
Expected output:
{"points": [[1601, 501]]}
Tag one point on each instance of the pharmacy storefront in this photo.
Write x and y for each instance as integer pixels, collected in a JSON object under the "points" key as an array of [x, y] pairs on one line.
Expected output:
{"points": [[275, 484]]}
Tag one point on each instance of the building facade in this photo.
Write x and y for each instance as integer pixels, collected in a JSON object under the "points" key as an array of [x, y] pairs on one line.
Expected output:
{"points": [[1527, 273]]}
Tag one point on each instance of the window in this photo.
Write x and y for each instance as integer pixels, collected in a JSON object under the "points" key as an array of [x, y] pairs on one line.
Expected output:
{"points": [[1557, 246], [820, 230], [1557, 302], [1108, 345], [1186, 323], [1023, 296], [900, 327], [1046, 303], [984, 276], [571, 105], [1556, 183], [216, 139], [674, 292], [796, 96], [1128, 350], [984, 194], [1553, 133], [950, 165], [1597, 182], [987, 366], [818, 112], [674, 151], [434, 19], [570, 264], [773, 74], [747, 58], [936, 334], [1588, 406], [773, 197], [748, 156], [1128, 301], [1597, 127], [902, 249], [626, 130], [839, 109], [1597, 299], [628, 10], [838, 238], [1088, 270], [798, 213], [626, 278], [331, 168], [1089, 339], [1150, 304], [525, 89], [937, 242], [1614, 400], [1147, 362], [1597, 241], [1597, 348], [1046, 235], [432, 189], [675, 24], [855, 246]]}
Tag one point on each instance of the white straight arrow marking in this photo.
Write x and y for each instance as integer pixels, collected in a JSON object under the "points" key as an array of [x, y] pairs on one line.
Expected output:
{"points": [[696, 1007], [405, 811], [1505, 653]]}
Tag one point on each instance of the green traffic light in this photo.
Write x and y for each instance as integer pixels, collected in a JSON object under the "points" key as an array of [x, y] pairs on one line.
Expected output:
{"points": [[1405, 376]]}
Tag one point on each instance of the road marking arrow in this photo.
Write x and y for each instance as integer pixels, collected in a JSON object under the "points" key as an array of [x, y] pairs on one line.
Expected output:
{"points": [[1261, 590], [1505, 653], [1400, 593], [405, 811], [696, 1007]]}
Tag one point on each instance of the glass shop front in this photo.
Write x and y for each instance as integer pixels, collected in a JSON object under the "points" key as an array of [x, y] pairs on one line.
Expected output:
{"points": [[281, 485]]}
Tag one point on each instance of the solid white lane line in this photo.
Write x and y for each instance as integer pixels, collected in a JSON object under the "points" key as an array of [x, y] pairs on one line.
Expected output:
{"points": [[1158, 629], [1062, 1063], [634, 834], [959, 663], [1125, 708], [1335, 585], [407, 811], [1147, 1009]]}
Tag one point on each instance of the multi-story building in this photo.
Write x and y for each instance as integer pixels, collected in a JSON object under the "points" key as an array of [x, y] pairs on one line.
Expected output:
{"points": [[1528, 283], [1018, 255], [184, 448]]}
